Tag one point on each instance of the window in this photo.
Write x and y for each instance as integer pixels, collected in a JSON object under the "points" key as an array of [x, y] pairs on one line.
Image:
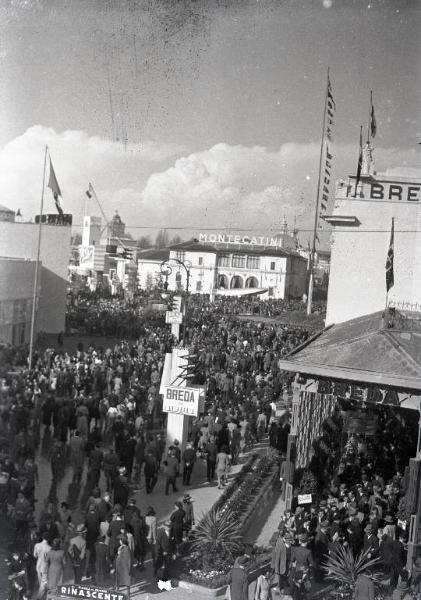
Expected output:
{"points": [[198, 286], [270, 290], [224, 260], [253, 262], [200, 260], [272, 265], [180, 255], [238, 260]]}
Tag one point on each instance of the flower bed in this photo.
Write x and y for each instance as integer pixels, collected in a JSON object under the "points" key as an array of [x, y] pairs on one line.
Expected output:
{"points": [[239, 500]]}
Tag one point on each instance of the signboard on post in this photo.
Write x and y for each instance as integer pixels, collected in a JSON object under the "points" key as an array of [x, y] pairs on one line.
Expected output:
{"points": [[183, 400], [305, 499], [173, 317]]}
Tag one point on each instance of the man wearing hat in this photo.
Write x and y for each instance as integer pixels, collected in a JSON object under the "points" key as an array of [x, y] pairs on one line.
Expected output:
{"points": [[121, 488], [164, 548], [281, 556], [189, 513], [77, 552], [370, 542], [239, 579], [301, 555], [189, 458]]}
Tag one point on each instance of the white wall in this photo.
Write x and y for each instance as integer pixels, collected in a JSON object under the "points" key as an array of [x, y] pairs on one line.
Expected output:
{"points": [[357, 284], [145, 268], [21, 240]]}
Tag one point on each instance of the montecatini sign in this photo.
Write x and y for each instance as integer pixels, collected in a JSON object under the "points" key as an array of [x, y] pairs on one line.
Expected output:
{"points": [[224, 238]]}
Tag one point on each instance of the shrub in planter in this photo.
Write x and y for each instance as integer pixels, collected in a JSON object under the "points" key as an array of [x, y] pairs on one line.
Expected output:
{"points": [[217, 537], [343, 567]]}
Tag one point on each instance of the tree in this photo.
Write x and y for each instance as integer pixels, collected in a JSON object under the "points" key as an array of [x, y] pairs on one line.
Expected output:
{"points": [[162, 239], [144, 242], [76, 239], [176, 240]]}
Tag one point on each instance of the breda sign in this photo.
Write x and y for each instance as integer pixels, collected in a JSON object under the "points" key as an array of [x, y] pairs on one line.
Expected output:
{"points": [[397, 192], [182, 400]]}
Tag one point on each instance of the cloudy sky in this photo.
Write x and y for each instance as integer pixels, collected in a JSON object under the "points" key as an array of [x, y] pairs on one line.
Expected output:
{"points": [[200, 113]]}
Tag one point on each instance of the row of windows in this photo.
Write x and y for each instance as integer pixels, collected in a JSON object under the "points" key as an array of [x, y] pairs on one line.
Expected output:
{"points": [[239, 261]]}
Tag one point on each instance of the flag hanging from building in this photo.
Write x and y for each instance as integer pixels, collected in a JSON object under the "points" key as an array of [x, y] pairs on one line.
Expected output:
{"points": [[55, 188], [390, 277], [328, 156]]}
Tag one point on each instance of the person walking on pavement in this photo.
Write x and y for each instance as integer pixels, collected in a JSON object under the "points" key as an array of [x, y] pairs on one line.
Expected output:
{"points": [[211, 453], [177, 523], [150, 525], [189, 514], [171, 468], [56, 561], [222, 466], [77, 552], [41, 551], [77, 456], [101, 561], [281, 557], [164, 548], [150, 471], [123, 563], [189, 458]]}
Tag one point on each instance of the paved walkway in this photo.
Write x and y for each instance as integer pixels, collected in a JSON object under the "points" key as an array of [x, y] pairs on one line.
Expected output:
{"points": [[204, 496]]}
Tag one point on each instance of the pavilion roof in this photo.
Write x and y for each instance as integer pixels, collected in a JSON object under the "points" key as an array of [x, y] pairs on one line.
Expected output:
{"points": [[375, 349]]}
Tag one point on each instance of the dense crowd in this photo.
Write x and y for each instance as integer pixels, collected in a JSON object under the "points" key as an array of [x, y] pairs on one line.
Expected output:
{"points": [[99, 413], [100, 409], [360, 510]]}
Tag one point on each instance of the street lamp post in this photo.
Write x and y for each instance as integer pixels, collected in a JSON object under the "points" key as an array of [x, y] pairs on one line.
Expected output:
{"points": [[166, 270]]}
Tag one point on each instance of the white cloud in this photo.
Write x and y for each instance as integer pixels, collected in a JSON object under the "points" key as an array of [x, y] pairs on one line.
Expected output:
{"points": [[78, 159], [156, 185]]}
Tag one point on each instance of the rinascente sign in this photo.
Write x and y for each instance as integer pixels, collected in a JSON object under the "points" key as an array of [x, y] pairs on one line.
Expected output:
{"points": [[89, 592], [224, 238]]}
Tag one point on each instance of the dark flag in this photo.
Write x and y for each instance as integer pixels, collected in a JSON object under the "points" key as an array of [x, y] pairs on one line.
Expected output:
{"points": [[55, 188], [89, 191], [390, 278], [373, 124], [360, 160]]}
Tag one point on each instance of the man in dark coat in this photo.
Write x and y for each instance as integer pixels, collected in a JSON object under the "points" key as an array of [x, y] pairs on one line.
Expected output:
{"points": [[151, 469], [281, 557], [239, 579], [171, 472], [370, 543], [164, 549], [211, 452], [189, 458]]}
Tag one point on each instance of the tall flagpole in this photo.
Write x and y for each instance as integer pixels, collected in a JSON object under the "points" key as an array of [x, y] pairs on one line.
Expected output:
{"points": [[316, 216], [35, 290]]}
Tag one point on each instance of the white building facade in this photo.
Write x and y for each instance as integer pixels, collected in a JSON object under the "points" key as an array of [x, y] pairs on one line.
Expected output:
{"points": [[228, 269], [362, 222]]}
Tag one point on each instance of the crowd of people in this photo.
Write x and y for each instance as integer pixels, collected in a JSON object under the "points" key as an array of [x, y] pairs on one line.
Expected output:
{"points": [[99, 413], [360, 510]]}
